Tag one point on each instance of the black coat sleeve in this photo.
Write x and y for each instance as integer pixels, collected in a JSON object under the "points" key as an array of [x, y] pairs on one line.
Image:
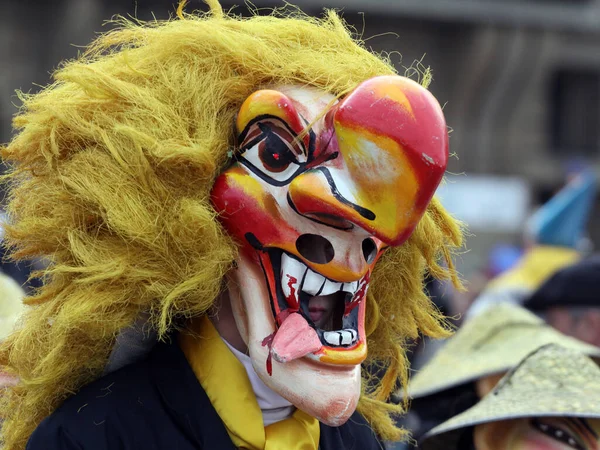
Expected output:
{"points": [[50, 437]]}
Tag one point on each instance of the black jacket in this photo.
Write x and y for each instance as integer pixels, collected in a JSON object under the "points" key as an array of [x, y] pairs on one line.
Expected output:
{"points": [[159, 404]]}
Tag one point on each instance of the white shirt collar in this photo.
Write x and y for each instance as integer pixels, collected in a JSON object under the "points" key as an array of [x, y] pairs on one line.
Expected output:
{"points": [[273, 406]]}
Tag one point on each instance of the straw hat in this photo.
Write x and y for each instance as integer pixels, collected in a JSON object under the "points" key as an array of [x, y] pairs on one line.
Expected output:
{"points": [[553, 381], [488, 344]]}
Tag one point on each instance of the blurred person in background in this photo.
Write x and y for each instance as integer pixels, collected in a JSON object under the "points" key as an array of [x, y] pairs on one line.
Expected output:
{"points": [[554, 238], [570, 300], [471, 362], [549, 401]]}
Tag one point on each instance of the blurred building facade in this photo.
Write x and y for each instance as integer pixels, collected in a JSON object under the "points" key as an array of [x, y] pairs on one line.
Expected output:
{"points": [[519, 80]]}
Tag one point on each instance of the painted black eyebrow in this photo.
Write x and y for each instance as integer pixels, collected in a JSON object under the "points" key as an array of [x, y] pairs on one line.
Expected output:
{"points": [[364, 212], [259, 118]]}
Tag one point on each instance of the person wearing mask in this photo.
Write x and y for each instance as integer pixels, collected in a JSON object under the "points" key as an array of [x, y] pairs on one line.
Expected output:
{"points": [[570, 300], [238, 214], [481, 352]]}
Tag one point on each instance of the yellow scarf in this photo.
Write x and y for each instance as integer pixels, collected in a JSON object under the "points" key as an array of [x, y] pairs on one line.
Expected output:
{"points": [[226, 383]]}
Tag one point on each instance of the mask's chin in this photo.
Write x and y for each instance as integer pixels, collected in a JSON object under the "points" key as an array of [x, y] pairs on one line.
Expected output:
{"points": [[328, 392]]}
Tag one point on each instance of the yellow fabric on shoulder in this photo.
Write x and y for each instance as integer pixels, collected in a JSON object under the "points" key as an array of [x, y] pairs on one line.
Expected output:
{"points": [[226, 383]]}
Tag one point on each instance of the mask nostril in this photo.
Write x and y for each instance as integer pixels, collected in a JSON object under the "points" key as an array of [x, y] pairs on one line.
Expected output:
{"points": [[369, 250], [315, 248]]}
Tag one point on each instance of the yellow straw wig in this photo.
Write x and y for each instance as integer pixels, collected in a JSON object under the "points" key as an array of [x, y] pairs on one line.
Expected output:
{"points": [[110, 181]]}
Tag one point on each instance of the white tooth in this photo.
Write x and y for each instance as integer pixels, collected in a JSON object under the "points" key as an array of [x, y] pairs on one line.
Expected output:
{"points": [[337, 338], [346, 337], [350, 287], [293, 268], [332, 337], [354, 334], [313, 282], [330, 287]]}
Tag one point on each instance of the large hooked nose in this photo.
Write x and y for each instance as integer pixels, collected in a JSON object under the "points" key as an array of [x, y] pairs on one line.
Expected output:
{"points": [[392, 144]]}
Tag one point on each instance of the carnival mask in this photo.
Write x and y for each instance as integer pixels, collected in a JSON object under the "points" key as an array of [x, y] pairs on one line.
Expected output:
{"points": [[318, 189]]}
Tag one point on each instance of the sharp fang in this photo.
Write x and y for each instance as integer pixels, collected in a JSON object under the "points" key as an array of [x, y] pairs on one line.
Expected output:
{"points": [[330, 287], [291, 267], [313, 283]]}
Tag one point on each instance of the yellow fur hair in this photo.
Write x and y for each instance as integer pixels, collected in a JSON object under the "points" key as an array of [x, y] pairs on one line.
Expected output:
{"points": [[111, 175]]}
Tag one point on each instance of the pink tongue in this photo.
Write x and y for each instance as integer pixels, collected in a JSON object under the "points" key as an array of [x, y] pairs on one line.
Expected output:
{"points": [[294, 339]]}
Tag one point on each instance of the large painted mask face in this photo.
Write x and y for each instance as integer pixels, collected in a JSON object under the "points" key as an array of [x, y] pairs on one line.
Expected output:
{"points": [[539, 433], [319, 188]]}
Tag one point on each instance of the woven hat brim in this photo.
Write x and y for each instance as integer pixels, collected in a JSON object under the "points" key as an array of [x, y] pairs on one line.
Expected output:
{"points": [[552, 381], [447, 435], [469, 367]]}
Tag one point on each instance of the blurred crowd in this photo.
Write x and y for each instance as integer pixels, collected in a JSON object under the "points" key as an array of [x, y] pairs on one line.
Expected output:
{"points": [[522, 370]]}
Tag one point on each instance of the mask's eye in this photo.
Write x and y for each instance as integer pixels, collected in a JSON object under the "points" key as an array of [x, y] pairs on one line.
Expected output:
{"points": [[272, 154]]}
